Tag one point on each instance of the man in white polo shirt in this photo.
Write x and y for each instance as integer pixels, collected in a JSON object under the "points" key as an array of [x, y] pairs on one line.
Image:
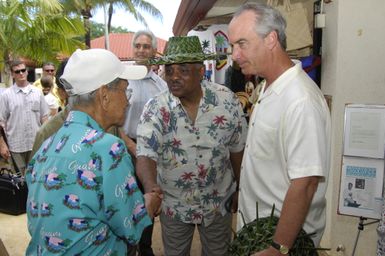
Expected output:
{"points": [[287, 154]]}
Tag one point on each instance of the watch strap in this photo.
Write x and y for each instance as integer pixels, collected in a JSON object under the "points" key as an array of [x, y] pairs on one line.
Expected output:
{"points": [[281, 248]]}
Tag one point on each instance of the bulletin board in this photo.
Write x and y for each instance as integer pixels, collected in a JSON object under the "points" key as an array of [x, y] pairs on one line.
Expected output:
{"points": [[362, 174]]}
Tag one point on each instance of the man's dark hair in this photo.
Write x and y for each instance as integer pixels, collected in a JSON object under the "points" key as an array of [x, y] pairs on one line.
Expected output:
{"points": [[46, 81], [48, 63]]}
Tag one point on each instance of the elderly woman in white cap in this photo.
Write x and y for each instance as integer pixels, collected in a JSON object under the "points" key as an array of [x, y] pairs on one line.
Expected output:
{"points": [[83, 196]]}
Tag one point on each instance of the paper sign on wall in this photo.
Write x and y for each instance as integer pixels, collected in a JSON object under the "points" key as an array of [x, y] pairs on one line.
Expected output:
{"points": [[362, 174]]}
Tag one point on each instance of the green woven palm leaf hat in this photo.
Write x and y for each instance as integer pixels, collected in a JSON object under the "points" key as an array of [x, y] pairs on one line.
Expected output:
{"points": [[183, 49]]}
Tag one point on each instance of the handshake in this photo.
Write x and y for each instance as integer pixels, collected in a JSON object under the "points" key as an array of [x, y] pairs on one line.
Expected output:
{"points": [[153, 201]]}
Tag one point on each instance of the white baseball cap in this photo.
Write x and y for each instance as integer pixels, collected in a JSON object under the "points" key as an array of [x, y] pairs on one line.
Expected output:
{"points": [[88, 70]]}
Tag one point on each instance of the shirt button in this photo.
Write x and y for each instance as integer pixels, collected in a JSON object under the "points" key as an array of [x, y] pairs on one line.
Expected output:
{"points": [[198, 137], [200, 156]]}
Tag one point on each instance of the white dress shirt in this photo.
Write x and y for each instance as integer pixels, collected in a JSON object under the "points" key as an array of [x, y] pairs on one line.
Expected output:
{"points": [[21, 112], [142, 91]]}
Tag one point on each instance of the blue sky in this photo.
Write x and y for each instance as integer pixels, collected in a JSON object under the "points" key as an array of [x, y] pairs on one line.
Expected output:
{"points": [[163, 30]]}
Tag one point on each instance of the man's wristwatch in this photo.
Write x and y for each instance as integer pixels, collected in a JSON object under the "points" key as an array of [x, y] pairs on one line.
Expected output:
{"points": [[281, 248]]}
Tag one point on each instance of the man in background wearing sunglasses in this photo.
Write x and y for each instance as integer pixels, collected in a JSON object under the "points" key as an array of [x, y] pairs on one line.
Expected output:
{"points": [[49, 69], [22, 111]]}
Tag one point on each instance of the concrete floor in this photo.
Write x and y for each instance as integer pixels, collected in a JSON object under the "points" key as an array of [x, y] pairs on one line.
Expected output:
{"points": [[15, 236]]}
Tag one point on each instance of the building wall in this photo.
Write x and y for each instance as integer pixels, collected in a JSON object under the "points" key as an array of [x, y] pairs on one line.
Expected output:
{"points": [[353, 64]]}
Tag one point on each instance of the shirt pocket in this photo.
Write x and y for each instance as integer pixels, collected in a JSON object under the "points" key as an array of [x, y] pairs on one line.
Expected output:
{"points": [[35, 105], [263, 141]]}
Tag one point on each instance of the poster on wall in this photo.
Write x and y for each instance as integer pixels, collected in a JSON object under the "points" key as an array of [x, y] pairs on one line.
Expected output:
{"points": [[364, 131], [222, 46], [207, 40], [361, 187]]}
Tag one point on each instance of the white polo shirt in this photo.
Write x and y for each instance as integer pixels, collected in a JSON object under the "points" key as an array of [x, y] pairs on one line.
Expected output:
{"points": [[288, 138]]}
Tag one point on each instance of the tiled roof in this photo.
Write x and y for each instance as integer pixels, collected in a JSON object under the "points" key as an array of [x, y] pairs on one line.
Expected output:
{"points": [[120, 44]]}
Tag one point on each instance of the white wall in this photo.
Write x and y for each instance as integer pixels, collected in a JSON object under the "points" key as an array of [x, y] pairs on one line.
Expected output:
{"points": [[353, 71]]}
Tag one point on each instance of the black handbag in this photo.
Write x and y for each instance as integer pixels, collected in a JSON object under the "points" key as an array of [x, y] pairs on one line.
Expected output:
{"points": [[13, 193]]}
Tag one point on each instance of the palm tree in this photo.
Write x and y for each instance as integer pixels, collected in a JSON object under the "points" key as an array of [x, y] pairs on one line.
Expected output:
{"points": [[36, 30], [84, 8], [98, 29], [132, 7]]}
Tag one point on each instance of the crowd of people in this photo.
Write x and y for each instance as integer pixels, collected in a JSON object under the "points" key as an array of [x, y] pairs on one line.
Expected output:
{"points": [[122, 146]]}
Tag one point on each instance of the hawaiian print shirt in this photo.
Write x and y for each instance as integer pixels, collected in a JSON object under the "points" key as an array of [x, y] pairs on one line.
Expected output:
{"points": [[83, 196], [193, 158]]}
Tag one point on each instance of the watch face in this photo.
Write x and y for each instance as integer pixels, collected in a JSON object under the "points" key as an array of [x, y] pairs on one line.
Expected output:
{"points": [[284, 250], [281, 248]]}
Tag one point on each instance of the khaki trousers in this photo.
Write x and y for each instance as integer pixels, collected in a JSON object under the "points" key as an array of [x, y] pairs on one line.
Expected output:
{"points": [[20, 161], [177, 236]]}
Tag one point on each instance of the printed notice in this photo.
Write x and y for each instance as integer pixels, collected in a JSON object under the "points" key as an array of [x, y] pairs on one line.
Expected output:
{"points": [[361, 187], [364, 131]]}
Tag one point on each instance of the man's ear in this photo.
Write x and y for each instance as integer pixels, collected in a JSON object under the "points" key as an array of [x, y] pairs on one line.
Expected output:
{"points": [[271, 40], [202, 70], [104, 96]]}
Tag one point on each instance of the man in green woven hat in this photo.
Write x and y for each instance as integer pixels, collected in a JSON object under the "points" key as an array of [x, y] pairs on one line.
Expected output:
{"points": [[190, 142]]}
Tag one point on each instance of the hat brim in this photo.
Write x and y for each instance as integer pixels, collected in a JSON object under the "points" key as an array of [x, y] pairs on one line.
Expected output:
{"points": [[185, 58], [133, 72]]}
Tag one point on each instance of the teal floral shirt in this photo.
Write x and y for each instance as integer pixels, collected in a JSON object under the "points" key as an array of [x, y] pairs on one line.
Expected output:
{"points": [[83, 197], [193, 158]]}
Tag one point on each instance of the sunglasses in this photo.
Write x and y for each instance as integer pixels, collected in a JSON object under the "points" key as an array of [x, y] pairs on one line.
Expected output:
{"points": [[50, 70], [19, 71]]}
